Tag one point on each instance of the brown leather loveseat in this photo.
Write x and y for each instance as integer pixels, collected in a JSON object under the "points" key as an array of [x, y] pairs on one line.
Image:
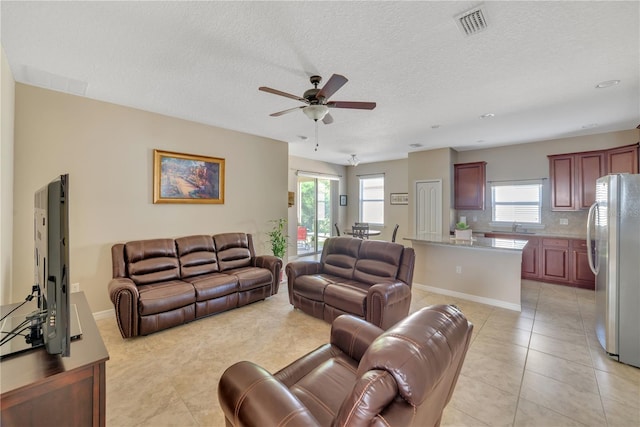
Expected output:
{"points": [[370, 279], [161, 283], [363, 377]]}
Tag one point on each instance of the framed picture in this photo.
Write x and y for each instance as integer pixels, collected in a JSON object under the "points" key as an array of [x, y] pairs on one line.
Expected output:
{"points": [[399, 198], [187, 178], [343, 200]]}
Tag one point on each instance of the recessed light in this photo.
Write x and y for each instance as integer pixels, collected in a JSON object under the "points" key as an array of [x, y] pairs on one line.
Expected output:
{"points": [[487, 116], [606, 84]]}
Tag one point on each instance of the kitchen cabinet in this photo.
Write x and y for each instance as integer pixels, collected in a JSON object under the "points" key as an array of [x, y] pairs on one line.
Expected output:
{"points": [[573, 176], [562, 261], [469, 185], [623, 159], [581, 274], [555, 260]]}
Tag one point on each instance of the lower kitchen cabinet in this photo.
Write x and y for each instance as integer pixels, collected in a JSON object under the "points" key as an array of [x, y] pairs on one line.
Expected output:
{"points": [[556, 260]]}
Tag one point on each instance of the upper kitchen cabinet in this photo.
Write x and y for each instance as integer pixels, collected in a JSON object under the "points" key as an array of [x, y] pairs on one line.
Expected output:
{"points": [[623, 159], [573, 176], [469, 185]]}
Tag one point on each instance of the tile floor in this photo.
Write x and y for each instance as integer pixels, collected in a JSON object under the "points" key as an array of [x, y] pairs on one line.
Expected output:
{"points": [[540, 367]]}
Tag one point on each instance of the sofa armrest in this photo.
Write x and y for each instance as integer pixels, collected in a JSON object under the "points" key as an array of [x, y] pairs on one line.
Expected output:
{"points": [[274, 265], [388, 303], [353, 335], [251, 396], [300, 268], [125, 296]]}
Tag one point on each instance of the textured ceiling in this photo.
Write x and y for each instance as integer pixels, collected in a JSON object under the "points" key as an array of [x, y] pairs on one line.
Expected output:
{"points": [[535, 67]]}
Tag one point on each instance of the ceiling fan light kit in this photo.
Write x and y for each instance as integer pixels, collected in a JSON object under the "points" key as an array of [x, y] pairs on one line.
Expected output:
{"points": [[316, 112], [353, 160]]}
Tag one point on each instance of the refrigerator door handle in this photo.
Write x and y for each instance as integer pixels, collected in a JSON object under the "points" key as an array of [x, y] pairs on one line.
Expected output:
{"points": [[593, 215]]}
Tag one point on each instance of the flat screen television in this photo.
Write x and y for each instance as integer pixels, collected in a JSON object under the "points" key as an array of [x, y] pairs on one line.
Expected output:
{"points": [[51, 258]]}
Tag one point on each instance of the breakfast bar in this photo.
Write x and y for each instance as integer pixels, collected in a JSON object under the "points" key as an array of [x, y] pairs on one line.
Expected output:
{"points": [[485, 270]]}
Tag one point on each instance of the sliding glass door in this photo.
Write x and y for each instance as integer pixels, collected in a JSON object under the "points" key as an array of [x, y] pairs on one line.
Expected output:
{"points": [[315, 207]]}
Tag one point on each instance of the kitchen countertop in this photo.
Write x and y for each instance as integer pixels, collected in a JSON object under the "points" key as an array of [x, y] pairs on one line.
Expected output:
{"points": [[475, 243], [540, 233]]}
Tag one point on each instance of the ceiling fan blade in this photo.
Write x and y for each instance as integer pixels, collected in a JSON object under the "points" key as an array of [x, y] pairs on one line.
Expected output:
{"points": [[281, 93], [352, 104], [335, 82], [280, 113], [327, 119]]}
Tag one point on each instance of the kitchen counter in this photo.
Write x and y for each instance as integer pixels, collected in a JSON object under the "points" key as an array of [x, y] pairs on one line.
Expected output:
{"points": [[541, 233], [476, 242], [485, 270]]}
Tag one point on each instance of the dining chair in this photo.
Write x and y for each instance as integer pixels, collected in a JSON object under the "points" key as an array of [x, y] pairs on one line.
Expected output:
{"points": [[395, 232], [337, 229], [360, 231]]}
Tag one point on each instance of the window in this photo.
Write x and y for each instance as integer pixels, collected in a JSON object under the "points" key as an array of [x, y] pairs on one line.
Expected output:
{"points": [[372, 199], [517, 202]]}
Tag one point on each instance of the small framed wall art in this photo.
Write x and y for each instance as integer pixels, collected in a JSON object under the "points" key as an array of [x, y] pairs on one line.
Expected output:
{"points": [[399, 198], [187, 178]]}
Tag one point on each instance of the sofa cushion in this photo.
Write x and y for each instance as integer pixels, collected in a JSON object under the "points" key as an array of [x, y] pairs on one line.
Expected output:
{"points": [[339, 256], [164, 296], [213, 285], [350, 298], [234, 250], [197, 255], [378, 262], [150, 261], [251, 277]]}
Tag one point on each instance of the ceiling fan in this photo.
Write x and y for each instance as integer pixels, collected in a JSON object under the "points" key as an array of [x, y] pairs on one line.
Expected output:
{"points": [[317, 100]]}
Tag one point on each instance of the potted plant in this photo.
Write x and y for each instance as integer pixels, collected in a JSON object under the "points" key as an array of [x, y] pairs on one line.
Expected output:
{"points": [[278, 237], [463, 231]]}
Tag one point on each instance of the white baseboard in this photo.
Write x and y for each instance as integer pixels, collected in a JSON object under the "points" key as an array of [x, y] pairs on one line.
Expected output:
{"points": [[474, 298], [106, 314]]}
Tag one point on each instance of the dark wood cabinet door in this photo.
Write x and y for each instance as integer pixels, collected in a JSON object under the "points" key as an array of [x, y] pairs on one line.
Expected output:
{"points": [[555, 259], [589, 167], [469, 185], [531, 259], [623, 159], [581, 274], [562, 178]]}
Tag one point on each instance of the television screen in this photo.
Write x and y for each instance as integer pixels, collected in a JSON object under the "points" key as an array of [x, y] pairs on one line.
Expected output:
{"points": [[51, 257]]}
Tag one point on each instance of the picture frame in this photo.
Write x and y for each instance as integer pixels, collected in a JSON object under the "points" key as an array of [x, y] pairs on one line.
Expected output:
{"points": [[343, 200], [399, 198], [187, 178]]}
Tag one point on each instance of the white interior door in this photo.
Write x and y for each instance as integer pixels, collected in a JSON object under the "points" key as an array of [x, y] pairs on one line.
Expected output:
{"points": [[429, 207]]}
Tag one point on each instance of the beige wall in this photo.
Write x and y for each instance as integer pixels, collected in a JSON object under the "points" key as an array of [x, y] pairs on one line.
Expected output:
{"points": [[7, 102], [395, 181], [108, 152]]}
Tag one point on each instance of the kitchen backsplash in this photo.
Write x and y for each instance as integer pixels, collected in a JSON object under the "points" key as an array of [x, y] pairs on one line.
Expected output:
{"points": [[576, 222]]}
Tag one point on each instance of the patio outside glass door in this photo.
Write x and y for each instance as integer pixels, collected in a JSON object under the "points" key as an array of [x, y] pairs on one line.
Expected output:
{"points": [[314, 214]]}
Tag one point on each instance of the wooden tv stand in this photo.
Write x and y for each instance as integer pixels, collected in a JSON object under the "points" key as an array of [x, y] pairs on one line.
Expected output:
{"points": [[39, 389]]}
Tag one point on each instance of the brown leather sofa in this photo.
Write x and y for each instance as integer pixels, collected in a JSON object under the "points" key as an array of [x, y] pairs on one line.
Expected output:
{"points": [[363, 377], [161, 283], [370, 279]]}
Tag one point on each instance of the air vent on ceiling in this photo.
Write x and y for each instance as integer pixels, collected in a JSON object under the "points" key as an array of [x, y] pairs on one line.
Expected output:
{"points": [[472, 21]]}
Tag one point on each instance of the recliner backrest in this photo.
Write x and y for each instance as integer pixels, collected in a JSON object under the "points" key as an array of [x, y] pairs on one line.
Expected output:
{"points": [[420, 357], [150, 261], [378, 261], [234, 250], [339, 256], [197, 255]]}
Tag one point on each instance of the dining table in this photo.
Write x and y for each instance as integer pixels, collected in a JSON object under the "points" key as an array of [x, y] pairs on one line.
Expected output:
{"points": [[369, 233]]}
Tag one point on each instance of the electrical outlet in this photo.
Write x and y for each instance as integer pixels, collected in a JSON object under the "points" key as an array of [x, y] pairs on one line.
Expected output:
{"points": [[564, 221], [459, 269], [75, 287]]}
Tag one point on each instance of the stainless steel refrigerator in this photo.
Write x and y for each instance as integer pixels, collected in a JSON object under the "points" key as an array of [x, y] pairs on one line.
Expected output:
{"points": [[613, 236]]}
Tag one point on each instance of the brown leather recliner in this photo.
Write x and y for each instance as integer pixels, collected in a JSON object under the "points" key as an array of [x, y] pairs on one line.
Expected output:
{"points": [[363, 377]]}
